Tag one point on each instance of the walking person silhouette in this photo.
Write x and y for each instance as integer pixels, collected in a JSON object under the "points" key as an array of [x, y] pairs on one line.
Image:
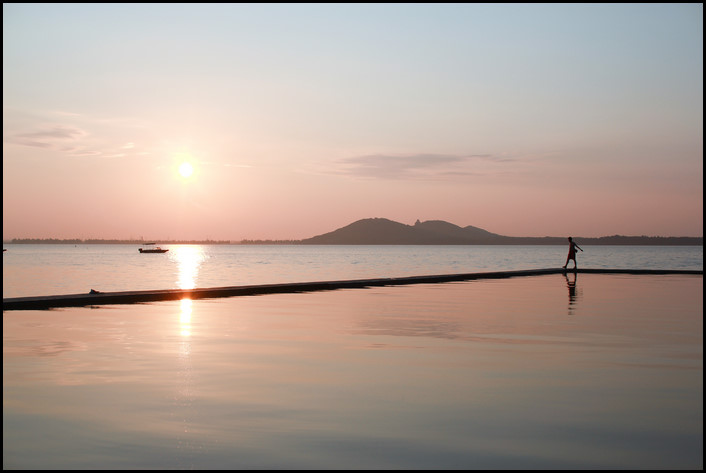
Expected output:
{"points": [[572, 253]]}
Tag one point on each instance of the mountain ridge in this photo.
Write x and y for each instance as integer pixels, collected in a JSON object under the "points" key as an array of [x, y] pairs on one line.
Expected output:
{"points": [[383, 231]]}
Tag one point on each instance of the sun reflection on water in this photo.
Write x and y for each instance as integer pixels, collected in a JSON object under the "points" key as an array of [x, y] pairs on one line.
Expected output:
{"points": [[188, 259], [185, 317], [183, 407]]}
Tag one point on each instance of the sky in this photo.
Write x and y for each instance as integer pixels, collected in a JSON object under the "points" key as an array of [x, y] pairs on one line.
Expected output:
{"points": [[299, 119]]}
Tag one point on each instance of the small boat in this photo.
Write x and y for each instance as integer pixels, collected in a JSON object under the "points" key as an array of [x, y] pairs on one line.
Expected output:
{"points": [[151, 248]]}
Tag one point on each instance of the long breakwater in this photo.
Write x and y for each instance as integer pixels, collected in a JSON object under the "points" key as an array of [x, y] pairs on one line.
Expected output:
{"points": [[96, 298]]}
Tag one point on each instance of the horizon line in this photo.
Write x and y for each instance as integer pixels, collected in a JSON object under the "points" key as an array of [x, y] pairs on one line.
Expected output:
{"points": [[53, 240]]}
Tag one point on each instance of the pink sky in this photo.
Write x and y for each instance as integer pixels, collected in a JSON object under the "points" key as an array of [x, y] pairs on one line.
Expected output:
{"points": [[301, 119]]}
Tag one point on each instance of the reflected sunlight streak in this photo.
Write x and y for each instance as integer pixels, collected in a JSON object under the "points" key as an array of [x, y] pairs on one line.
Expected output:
{"points": [[185, 317], [188, 259]]}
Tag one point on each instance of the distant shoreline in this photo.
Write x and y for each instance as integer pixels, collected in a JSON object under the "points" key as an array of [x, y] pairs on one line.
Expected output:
{"points": [[92, 241], [382, 231], [517, 241]]}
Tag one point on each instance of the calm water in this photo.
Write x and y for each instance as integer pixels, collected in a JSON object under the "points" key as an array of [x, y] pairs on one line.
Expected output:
{"points": [[545, 372], [32, 270]]}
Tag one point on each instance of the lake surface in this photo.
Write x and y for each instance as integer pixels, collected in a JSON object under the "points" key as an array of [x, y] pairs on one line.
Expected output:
{"points": [[575, 371], [37, 270]]}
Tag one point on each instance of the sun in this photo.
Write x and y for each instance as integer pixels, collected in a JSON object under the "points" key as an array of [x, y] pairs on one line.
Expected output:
{"points": [[186, 170]]}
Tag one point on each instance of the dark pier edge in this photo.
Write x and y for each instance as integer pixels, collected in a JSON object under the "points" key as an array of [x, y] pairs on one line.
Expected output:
{"points": [[135, 297]]}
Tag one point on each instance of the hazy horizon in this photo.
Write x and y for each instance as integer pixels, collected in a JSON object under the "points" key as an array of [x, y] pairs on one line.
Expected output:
{"points": [[173, 239], [295, 120]]}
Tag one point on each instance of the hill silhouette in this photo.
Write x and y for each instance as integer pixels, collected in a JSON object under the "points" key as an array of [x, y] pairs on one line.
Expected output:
{"points": [[382, 231]]}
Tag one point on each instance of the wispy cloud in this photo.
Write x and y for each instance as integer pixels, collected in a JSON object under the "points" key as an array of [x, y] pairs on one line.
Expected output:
{"points": [[419, 166], [50, 137], [65, 139]]}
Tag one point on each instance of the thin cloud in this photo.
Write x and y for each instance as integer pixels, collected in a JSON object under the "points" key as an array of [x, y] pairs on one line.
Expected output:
{"points": [[418, 166], [232, 165], [72, 141], [85, 153], [48, 138]]}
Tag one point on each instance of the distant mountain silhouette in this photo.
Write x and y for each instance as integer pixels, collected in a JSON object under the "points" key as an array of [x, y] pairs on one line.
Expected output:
{"points": [[381, 231]]}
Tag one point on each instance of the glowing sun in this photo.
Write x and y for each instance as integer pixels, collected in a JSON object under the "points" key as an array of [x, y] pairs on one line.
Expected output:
{"points": [[186, 169]]}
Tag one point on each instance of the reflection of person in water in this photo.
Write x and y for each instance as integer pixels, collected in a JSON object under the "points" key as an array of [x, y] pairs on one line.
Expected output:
{"points": [[572, 288], [572, 292], [572, 253]]}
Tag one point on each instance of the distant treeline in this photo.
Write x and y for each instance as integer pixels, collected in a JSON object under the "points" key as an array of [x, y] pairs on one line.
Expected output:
{"points": [[268, 242], [95, 241], [615, 240], [646, 240], [493, 240]]}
